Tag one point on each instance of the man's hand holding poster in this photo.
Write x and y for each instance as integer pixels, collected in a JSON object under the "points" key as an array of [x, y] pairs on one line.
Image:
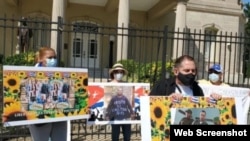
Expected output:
{"points": [[38, 95], [160, 112], [241, 95]]}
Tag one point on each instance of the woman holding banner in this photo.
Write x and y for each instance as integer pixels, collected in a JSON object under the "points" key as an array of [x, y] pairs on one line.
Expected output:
{"points": [[116, 74], [55, 131]]}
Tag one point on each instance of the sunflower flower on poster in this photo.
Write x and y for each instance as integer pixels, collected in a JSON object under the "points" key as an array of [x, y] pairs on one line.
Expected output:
{"points": [[37, 93], [160, 112]]}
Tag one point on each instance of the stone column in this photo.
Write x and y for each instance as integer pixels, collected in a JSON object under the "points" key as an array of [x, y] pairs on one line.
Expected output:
{"points": [[180, 25], [122, 37], [57, 10]]}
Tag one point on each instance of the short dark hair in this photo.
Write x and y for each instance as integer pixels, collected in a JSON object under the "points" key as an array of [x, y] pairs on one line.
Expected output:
{"points": [[188, 111], [179, 60], [203, 111]]}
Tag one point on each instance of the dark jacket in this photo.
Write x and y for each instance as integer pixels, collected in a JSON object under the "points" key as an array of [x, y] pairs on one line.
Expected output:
{"points": [[198, 122], [186, 121], [165, 87]]}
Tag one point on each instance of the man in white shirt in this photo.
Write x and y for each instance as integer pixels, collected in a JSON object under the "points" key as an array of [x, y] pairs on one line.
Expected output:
{"points": [[215, 76]]}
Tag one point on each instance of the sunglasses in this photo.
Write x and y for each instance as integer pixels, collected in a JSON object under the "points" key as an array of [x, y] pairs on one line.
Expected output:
{"points": [[52, 57], [213, 71]]}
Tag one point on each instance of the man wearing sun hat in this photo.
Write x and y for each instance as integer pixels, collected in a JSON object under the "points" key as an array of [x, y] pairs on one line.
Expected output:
{"points": [[215, 76]]}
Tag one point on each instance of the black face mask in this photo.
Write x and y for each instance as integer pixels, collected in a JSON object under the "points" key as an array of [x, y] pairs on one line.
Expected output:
{"points": [[186, 79]]}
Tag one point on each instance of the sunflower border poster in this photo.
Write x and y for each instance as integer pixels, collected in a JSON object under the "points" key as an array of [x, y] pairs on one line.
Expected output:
{"points": [[159, 111], [107, 107], [40, 94]]}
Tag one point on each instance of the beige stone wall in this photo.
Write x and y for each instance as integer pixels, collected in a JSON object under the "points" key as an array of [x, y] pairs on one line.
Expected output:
{"points": [[166, 20], [96, 14], [200, 20], [8, 10], [226, 15], [229, 7], [35, 6]]}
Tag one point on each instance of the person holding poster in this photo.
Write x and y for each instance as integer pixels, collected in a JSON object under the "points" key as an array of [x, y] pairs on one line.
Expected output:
{"points": [[183, 83], [116, 74], [56, 131], [215, 76]]}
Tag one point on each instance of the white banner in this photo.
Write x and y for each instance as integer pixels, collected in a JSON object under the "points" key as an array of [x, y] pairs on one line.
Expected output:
{"points": [[159, 112], [241, 96], [34, 95]]}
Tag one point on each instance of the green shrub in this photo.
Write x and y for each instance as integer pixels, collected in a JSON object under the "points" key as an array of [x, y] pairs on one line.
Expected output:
{"points": [[145, 72], [130, 66], [22, 59], [152, 72]]}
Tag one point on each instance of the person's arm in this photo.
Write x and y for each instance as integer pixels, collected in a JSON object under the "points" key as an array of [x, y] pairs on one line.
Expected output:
{"points": [[131, 112], [129, 105], [110, 106], [166, 87], [159, 88], [197, 90], [180, 123]]}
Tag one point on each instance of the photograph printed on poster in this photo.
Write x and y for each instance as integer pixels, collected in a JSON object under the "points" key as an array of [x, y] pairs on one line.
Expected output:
{"points": [[195, 116], [43, 94], [159, 112], [115, 103], [119, 103], [48, 94]]}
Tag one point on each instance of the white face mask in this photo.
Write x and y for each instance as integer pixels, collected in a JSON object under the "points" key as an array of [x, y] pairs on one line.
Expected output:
{"points": [[51, 62], [118, 76], [214, 77]]}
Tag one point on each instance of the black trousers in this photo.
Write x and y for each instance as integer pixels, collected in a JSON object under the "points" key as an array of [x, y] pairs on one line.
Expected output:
{"points": [[126, 131]]}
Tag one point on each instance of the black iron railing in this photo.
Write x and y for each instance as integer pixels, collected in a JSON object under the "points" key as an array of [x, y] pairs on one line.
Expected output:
{"points": [[149, 51]]}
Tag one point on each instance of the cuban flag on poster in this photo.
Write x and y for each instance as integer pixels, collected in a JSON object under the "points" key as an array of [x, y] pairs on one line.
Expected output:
{"points": [[96, 103], [139, 91]]}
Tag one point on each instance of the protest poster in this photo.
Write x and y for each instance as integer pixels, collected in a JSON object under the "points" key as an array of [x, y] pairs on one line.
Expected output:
{"points": [[241, 95], [195, 116], [106, 108], [160, 111], [40, 94]]}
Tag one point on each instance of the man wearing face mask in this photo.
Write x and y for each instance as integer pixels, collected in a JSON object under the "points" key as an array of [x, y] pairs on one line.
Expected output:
{"points": [[215, 76], [183, 83]]}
